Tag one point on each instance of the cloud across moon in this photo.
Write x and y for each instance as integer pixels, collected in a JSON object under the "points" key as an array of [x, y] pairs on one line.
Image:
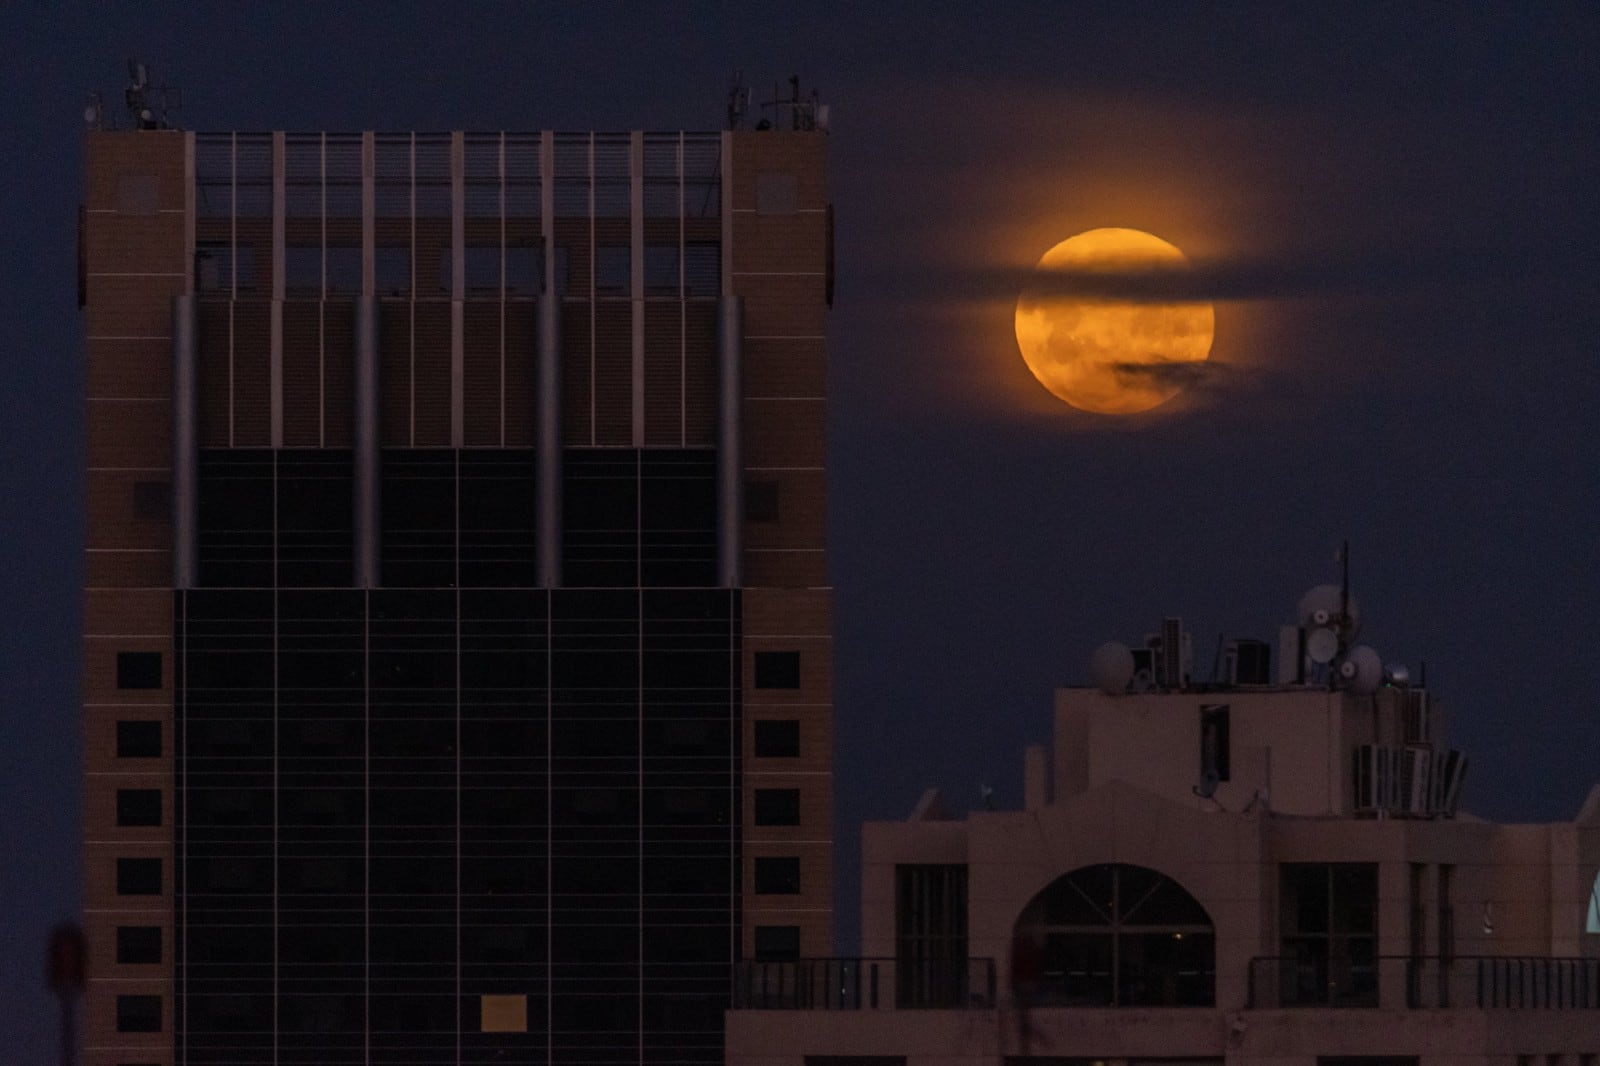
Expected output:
{"points": [[1103, 353]]}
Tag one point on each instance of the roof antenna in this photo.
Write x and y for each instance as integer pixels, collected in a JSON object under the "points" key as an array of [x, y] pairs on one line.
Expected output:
{"points": [[148, 104], [738, 100]]}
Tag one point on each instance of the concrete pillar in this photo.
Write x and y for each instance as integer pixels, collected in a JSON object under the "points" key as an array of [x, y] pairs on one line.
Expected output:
{"points": [[368, 515], [730, 453], [185, 443], [549, 438]]}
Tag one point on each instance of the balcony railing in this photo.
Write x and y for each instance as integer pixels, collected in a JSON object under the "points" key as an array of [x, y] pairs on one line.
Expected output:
{"points": [[865, 984], [1471, 982]]}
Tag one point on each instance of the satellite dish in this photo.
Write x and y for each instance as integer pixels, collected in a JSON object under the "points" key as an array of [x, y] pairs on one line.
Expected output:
{"points": [[1322, 645], [1362, 670], [1325, 605], [1111, 666]]}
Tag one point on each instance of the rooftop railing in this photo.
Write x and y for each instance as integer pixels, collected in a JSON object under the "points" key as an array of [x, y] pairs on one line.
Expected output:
{"points": [[1470, 982], [865, 984]]}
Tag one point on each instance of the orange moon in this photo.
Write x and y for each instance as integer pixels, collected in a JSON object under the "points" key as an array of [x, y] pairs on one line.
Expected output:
{"points": [[1101, 353]]}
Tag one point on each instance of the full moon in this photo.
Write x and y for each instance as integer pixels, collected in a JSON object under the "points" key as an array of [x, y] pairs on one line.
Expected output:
{"points": [[1106, 354]]}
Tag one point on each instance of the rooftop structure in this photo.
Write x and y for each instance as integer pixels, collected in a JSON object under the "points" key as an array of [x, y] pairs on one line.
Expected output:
{"points": [[1271, 866]]}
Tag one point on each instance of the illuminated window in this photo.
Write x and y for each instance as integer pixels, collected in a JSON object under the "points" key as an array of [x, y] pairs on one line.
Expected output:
{"points": [[1593, 924], [504, 1014]]}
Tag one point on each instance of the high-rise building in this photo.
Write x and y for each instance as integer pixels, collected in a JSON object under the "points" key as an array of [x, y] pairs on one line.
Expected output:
{"points": [[457, 631]]}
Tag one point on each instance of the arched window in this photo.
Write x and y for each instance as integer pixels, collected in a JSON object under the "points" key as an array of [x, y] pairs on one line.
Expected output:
{"points": [[1114, 935]]}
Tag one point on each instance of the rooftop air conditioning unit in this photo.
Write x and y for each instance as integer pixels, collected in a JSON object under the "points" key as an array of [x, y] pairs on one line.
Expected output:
{"points": [[1172, 654], [1449, 770], [1417, 722], [1415, 794], [1374, 778], [1248, 662]]}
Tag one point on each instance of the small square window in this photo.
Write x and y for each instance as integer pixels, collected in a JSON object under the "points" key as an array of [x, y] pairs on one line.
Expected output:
{"points": [[777, 669], [778, 876], [138, 806], [138, 740], [778, 739], [138, 877], [138, 669], [138, 1014], [777, 806], [761, 501], [138, 944], [777, 943]]}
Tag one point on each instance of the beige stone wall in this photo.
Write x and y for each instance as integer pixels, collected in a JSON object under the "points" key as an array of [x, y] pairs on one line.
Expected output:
{"points": [[135, 261], [777, 266]]}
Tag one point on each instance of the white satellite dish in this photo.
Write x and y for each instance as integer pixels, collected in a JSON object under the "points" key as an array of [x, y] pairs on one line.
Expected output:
{"points": [[1111, 666], [1322, 645], [1362, 670], [1324, 606]]}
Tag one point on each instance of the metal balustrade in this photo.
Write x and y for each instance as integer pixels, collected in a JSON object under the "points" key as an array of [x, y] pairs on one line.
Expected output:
{"points": [[865, 984], [1466, 982]]}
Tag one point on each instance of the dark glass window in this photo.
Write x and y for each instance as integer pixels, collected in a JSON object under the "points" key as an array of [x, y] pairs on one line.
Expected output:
{"points": [[419, 518], [777, 806], [138, 943], [138, 806], [138, 877], [496, 504], [138, 740], [1115, 935], [702, 268], [930, 935], [761, 501], [236, 531], [1214, 747], [391, 268], [1328, 924], [524, 269], [613, 269], [777, 876], [138, 669], [678, 518], [661, 269], [138, 1014], [777, 942], [314, 518], [777, 669], [777, 739]]}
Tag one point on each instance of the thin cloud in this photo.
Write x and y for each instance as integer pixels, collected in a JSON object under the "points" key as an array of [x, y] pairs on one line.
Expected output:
{"points": [[1280, 278]]}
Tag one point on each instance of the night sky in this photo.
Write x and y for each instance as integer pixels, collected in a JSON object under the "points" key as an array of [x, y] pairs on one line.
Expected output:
{"points": [[1396, 206]]}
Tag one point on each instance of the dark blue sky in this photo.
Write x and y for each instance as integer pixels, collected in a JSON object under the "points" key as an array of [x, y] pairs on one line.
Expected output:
{"points": [[1402, 198]]}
